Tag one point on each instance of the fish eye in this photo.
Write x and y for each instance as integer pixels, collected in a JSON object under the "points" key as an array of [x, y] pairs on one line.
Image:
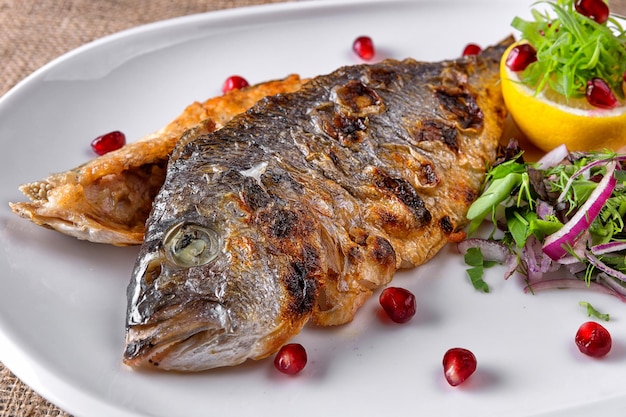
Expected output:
{"points": [[188, 244]]}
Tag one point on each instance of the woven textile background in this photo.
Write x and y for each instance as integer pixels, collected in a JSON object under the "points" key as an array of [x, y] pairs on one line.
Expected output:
{"points": [[34, 32]]}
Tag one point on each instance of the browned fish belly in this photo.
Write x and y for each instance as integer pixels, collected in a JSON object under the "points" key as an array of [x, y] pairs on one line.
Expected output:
{"points": [[299, 208], [108, 199]]}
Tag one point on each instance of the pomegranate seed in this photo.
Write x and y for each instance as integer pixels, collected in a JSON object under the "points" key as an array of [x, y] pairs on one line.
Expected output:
{"points": [[593, 9], [599, 94], [398, 303], [521, 56], [472, 49], [364, 47], [458, 365], [108, 142], [234, 82], [593, 339], [290, 359]]}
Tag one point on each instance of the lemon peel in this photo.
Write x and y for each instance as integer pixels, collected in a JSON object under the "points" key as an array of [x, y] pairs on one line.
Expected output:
{"points": [[549, 120]]}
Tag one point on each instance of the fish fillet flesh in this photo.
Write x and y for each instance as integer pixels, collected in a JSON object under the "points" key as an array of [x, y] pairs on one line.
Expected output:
{"points": [[108, 199], [297, 210]]}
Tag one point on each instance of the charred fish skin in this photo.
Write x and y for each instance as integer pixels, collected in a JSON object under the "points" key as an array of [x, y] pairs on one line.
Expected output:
{"points": [[301, 207]]}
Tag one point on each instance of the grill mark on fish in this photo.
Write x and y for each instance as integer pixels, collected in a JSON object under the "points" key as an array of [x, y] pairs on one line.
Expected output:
{"points": [[446, 225], [382, 251], [281, 223], [380, 78], [358, 98], [432, 130], [318, 197], [301, 289], [302, 283], [470, 196], [254, 196], [407, 194], [344, 128], [462, 106]]}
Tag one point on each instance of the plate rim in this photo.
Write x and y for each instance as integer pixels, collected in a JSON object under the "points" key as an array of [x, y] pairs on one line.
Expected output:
{"points": [[39, 377]]}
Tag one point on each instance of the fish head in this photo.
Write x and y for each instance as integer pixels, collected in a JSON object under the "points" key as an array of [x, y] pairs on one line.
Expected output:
{"points": [[212, 286]]}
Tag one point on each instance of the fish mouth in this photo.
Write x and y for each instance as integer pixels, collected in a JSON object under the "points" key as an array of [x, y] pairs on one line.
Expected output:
{"points": [[198, 337]]}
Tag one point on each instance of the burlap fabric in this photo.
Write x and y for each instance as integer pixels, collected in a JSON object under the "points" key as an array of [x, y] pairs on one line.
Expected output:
{"points": [[33, 32]]}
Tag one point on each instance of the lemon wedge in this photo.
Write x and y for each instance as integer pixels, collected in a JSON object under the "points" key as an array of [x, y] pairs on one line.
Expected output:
{"points": [[549, 120]]}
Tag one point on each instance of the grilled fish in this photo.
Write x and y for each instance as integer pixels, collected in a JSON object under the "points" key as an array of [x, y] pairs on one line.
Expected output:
{"points": [[299, 208], [108, 199]]}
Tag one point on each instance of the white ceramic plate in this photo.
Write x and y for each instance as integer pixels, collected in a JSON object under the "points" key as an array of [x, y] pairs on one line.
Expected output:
{"points": [[62, 301]]}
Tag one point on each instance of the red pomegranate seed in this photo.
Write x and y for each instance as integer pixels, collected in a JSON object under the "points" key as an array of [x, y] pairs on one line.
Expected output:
{"points": [[597, 10], [290, 359], [599, 94], [108, 142], [521, 56], [593, 339], [458, 365], [234, 82], [472, 49], [398, 303], [364, 47]]}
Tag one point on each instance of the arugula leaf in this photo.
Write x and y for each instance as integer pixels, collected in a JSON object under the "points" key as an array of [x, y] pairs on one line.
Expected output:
{"points": [[498, 190], [592, 312], [544, 227], [510, 166], [518, 224], [610, 222], [571, 49], [526, 200], [500, 181]]}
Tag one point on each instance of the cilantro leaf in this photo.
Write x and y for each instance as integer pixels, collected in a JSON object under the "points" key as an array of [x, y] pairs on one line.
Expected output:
{"points": [[474, 258], [476, 277]]}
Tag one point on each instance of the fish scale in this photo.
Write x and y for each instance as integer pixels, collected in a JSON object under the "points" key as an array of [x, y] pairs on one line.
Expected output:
{"points": [[300, 208]]}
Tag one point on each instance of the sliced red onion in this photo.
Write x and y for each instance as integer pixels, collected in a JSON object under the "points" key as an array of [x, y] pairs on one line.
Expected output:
{"points": [[568, 260], [563, 283], [544, 209], [576, 253], [586, 170], [553, 158], [610, 247], [614, 284], [605, 268], [556, 244], [576, 268], [511, 266], [536, 262], [491, 250]]}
